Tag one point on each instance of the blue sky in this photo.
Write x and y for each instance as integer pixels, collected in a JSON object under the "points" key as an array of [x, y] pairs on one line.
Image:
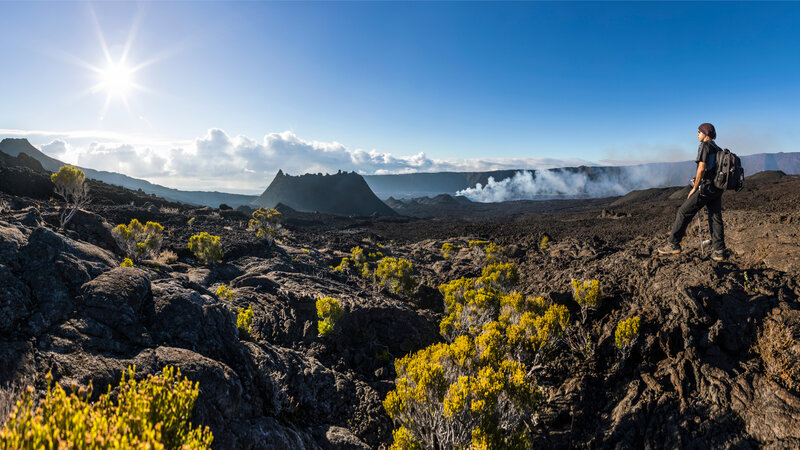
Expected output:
{"points": [[395, 87]]}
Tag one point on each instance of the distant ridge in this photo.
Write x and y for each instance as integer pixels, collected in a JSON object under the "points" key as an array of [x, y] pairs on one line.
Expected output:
{"points": [[417, 185], [344, 193], [14, 147]]}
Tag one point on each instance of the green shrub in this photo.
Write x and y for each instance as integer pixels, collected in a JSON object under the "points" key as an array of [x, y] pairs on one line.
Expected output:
{"points": [[587, 294], [396, 273], [225, 293], [244, 321], [70, 185], [137, 241], [448, 249], [494, 253], [329, 311], [626, 333], [152, 413], [474, 391], [265, 223], [206, 248], [544, 244], [359, 262], [126, 263], [478, 244]]}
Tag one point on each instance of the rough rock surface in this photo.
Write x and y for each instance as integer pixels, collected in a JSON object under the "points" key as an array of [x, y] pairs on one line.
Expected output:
{"points": [[691, 380]]}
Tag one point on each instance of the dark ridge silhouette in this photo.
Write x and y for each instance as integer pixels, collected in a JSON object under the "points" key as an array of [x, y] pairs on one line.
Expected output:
{"points": [[16, 147], [344, 193]]}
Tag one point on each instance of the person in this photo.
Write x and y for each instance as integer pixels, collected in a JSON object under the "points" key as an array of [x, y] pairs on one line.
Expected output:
{"points": [[703, 193]]}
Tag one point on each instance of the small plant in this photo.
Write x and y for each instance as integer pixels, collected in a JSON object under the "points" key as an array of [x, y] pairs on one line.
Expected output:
{"points": [[396, 273], [580, 340], [265, 223], [448, 249], [167, 257], [152, 413], [9, 395], [190, 221], [305, 250], [206, 248], [779, 351], [587, 294], [626, 333], [137, 241], [71, 186], [225, 293], [244, 321], [359, 262], [545, 243], [329, 311], [478, 244], [127, 262], [383, 356], [494, 253], [3, 206], [168, 210]]}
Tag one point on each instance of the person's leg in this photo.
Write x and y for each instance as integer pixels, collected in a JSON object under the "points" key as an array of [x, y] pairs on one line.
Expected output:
{"points": [[714, 208], [685, 214]]}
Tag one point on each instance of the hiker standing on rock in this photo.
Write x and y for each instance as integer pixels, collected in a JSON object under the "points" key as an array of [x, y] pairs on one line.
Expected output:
{"points": [[703, 193]]}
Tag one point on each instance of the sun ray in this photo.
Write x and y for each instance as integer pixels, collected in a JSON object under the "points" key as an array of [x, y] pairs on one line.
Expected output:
{"points": [[99, 32], [137, 19]]}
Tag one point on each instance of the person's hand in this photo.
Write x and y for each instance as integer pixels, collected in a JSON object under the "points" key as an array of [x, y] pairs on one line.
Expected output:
{"points": [[694, 189]]}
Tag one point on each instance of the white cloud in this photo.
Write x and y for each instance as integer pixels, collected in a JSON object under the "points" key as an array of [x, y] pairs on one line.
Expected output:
{"points": [[218, 161]]}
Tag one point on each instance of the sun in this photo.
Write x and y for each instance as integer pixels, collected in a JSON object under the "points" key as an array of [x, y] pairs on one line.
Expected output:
{"points": [[116, 80]]}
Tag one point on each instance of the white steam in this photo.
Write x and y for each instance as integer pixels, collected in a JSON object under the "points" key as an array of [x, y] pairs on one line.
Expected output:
{"points": [[544, 184]]}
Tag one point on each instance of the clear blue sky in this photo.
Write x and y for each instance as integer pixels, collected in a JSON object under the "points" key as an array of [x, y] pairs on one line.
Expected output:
{"points": [[590, 81]]}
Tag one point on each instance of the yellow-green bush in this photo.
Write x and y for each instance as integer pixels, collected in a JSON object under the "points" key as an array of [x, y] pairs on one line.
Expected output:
{"points": [[70, 185], [191, 221], [396, 273], [544, 244], [448, 249], [225, 293], [329, 311], [587, 293], [153, 413], [494, 253], [265, 223], [626, 333], [359, 262], [206, 248], [139, 241], [244, 321], [474, 391], [126, 263], [478, 244]]}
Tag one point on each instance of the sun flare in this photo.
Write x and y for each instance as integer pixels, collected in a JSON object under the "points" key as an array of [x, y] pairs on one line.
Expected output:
{"points": [[116, 80]]}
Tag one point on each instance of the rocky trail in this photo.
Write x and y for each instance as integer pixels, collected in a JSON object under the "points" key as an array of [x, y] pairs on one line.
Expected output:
{"points": [[691, 380]]}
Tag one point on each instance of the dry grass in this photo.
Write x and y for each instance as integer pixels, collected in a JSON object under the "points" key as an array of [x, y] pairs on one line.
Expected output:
{"points": [[167, 210], [4, 206], [166, 257], [8, 400], [779, 351]]}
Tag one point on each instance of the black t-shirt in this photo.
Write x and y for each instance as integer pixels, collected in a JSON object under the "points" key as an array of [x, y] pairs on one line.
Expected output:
{"points": [[707, 153]]}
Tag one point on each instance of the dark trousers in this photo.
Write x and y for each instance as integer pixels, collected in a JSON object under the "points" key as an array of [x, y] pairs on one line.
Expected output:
{"points": [[709, 197]]}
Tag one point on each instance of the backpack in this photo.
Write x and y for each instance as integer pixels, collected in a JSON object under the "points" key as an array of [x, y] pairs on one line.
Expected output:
{"points": [[729, 171]]}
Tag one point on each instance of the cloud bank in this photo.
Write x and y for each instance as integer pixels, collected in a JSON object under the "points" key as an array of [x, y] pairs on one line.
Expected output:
{"points": [[218, 161]]}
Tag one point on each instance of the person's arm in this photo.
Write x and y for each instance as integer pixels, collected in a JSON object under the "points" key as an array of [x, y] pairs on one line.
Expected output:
{"points": [[701, 167]]}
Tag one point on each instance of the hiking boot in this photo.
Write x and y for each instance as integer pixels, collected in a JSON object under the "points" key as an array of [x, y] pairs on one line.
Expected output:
{"points": [[669, 249], [718, 255]]}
